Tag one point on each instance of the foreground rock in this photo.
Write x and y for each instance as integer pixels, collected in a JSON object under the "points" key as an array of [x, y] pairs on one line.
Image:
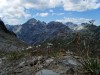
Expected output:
{"points": [[40, 65], [46, 72]]}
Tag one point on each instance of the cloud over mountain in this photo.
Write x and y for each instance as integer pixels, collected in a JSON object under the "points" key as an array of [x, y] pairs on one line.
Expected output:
{"points": [[68, 5], [74, 20], [42, 14], [15, 10]]}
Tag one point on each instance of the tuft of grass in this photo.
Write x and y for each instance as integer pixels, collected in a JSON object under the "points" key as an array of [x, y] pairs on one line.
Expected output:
{"points": [[14, 55], [28, 53], [92, 66]]}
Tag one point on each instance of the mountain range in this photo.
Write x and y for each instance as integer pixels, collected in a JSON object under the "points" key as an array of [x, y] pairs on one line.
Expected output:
{"points": [[35, 31], [67, 36]]}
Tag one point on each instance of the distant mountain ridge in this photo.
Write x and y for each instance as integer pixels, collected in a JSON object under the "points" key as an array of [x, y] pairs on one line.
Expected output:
{"points": [[35, 31]]}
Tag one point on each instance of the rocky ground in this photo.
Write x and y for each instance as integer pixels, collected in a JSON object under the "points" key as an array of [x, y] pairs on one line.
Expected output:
{"points": [[41, 65]]}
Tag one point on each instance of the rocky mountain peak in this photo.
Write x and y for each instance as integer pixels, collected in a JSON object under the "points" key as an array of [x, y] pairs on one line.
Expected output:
{"points": [[54, 25], [31, 21], [71, 25], [84, 24]]}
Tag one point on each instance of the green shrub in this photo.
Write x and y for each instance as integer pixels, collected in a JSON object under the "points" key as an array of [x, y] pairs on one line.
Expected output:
{"points": [[92, 65], [15, 55]]}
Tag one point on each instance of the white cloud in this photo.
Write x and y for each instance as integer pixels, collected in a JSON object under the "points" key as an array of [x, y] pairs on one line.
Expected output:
{"points": [[15, 9], [12, 21], [42, 14], [80, 5], [68, 5], [12, 11], [51, 11], [57, 14], [74, 20], [41, 4]]}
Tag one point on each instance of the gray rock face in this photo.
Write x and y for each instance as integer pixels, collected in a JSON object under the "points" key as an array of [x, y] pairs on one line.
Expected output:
{"points": [[8, 40], [32, 31], [46, 72], [71, 25], [68, 60], [40, 65]]}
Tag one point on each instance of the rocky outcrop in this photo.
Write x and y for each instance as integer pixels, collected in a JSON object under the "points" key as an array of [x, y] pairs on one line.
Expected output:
{"points": [[40, 65], [8, 40]]}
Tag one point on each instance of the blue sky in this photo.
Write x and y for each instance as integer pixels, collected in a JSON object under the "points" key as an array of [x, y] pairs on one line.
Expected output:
{"points": [[19, 11]]}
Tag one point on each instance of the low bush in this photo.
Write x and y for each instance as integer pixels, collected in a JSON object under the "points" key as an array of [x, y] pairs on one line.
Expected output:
{"points": [[92, 66]]}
